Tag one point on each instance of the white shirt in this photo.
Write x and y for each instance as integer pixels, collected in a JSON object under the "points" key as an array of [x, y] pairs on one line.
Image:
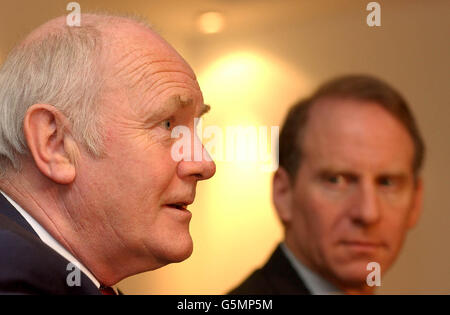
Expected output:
{"points": [[313, 282], [50, 241]]}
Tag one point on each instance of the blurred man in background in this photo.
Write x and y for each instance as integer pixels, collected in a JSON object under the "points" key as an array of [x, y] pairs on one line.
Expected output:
{"points": [[87, 176], [347, 190]]}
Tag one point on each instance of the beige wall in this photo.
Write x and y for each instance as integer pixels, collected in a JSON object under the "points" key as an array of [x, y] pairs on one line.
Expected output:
{"points": [[287, 48]]}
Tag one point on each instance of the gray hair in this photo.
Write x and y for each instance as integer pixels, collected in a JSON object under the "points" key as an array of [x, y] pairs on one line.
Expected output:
{"points": [[61, 69]]}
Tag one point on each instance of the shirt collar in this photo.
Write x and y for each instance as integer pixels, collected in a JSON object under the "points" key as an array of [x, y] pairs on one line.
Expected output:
{"points": [[315, 283], [50, 241]]}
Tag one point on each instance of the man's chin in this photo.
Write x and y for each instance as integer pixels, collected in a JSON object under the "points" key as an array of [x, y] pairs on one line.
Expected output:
{"points": [[176, 252], [353, 274], [181, 254]]}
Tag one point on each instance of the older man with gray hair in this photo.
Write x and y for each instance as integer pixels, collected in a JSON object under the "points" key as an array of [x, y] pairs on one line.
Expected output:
{"points": [[87, 179]]}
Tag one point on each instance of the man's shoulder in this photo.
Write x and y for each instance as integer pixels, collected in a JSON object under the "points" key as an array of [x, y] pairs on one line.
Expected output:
{"points": [[277, 276], [29, 266], [19, 245]]}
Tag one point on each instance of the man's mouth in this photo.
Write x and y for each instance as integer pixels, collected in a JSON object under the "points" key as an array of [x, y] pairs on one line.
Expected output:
{"points": [[179, 206], [360, 245]]}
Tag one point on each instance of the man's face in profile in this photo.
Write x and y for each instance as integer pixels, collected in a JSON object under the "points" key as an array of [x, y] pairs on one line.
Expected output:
{"points": [[141, 193], [354, 196]]}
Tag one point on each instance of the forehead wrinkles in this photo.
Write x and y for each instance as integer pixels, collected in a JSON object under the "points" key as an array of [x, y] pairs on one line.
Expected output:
{"points": [[139, 64], [142, 70]]}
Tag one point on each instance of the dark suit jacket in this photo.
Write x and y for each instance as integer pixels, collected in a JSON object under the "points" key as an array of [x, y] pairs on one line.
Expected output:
{"points": [[28, 265], [277, 276]]}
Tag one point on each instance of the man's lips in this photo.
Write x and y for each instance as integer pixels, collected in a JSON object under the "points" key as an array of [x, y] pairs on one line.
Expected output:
{"points": [[362, 244], [180, 205]]}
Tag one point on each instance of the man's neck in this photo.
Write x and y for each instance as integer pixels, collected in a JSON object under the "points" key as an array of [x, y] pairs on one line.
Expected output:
{"points": [[49, 240], [39, 204], [45, 207]]}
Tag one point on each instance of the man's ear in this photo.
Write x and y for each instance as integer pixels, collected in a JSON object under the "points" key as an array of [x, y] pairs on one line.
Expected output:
{"points": [[50, 142], [417, 203], [282, 195]]}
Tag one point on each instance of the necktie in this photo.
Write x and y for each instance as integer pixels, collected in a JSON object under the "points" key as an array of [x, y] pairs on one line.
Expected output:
{"points": [[107, 290]]}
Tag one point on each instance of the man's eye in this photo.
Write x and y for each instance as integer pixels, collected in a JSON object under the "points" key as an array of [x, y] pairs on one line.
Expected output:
{"points": [[334, 179], [338, 181], [167, 124], [385, 181]]}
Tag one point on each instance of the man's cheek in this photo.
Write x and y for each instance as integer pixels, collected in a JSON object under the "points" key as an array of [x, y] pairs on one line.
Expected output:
{"points": [[323, 214], [393, 231]]}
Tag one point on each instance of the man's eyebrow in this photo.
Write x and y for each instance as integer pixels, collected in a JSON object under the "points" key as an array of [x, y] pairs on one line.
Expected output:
{"points": [[397, 175], [324, 172], [204, 109], [171, 105]]}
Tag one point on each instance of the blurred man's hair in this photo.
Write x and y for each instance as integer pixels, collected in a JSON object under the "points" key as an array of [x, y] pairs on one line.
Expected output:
{"points": [[355, 87]]}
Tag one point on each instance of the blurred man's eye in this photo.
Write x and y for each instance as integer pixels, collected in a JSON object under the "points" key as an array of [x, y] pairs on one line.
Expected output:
{"points": [[335, 179], [339, 181], [385, 181], [390, 182]]}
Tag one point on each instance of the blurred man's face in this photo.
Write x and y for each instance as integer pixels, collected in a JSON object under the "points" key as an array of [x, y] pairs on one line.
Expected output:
{"points": [[354, 196], [139, 193]]}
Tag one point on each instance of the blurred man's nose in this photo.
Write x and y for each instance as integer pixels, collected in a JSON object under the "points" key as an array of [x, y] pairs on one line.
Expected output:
{"points": [[200, 165], [366, 208]]}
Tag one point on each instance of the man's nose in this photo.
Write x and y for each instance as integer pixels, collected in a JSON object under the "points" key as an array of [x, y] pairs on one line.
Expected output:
{"points": [[200, 165], [366, 208]]}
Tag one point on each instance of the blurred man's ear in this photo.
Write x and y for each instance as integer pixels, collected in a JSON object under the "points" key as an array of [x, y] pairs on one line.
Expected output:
{"points": [[50, 142], [417, 203], [282, 195]]}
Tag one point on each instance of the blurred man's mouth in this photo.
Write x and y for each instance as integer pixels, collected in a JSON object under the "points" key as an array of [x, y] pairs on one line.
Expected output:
{"points": [[362, 246]]}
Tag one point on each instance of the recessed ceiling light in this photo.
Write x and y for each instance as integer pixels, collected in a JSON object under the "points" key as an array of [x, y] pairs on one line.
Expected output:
{"points": [[211, 22]]}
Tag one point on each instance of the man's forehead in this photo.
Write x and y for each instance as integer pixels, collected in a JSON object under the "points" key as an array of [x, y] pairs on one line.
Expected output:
{"points": [[138, 47], [359, 135], [140, 65], [353, 119], [153, 75], [145, 72], [358, 160]]}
